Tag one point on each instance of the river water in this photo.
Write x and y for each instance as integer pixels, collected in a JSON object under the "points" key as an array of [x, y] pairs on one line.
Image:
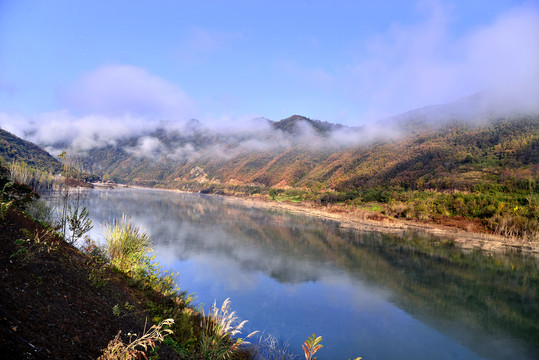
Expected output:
{"points": [[373, 295]]}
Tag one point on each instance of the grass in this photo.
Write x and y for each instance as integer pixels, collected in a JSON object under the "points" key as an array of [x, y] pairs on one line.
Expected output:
{"points": [[191, 334], [219, 329], [127, 244], [138, 345], [372, 207], [294, 199]]}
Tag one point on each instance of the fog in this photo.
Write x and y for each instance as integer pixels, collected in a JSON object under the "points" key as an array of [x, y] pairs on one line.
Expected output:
{"points": [[428, 63]]}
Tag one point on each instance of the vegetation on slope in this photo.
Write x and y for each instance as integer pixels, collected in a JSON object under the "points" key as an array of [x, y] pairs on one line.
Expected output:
{"points": [[59, 302], [15, 149]]}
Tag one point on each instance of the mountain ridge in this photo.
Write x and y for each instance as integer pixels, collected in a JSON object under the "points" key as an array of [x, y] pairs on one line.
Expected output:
{"points": [[414, 166]]}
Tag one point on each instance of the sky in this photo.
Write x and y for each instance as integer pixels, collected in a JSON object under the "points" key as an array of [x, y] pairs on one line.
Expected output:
{"points": [[135, 62]]}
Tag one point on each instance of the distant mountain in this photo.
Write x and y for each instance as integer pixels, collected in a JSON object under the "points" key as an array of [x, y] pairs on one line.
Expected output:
{"points": [[458, 163], [294, 124], [13, 148], [450, 146], [302, 153]]}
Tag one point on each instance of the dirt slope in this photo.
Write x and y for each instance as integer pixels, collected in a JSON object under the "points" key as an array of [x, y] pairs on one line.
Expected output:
{"points": [[49, 307]]}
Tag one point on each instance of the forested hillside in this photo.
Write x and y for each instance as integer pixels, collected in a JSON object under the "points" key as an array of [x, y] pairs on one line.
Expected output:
{"points": [[485, 171], [504, 151], [15, 149]]}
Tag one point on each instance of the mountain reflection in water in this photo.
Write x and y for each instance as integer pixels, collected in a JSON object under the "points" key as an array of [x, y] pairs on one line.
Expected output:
{"points": [[368, 294]]}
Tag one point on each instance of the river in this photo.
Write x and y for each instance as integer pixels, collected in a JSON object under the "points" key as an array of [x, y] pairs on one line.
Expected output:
{"points": [[367, 294]]}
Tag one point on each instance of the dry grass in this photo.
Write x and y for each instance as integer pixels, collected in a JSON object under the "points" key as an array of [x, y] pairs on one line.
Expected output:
{"points": [[219, 328], [136, 348]]}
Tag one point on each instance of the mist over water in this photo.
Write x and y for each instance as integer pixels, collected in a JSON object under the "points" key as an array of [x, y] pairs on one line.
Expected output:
{"points": [[371, 295]]}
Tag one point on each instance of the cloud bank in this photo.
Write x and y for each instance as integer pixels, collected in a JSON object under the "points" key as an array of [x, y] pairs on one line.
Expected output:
{"points": [[120, 90], [110, 103], [410, 66]]}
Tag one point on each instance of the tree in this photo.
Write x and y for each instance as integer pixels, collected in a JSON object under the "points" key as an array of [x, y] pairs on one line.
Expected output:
{"points": [[79, 222]]}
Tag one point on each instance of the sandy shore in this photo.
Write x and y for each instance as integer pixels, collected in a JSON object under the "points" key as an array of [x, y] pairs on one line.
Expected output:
{"points": [[367, 221]]}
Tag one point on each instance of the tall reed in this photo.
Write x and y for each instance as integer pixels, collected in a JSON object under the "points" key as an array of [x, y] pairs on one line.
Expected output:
{"points": [[219, 329]]}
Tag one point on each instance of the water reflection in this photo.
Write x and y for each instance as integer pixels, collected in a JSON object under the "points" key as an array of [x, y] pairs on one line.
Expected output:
{"points": [[374, 295]]}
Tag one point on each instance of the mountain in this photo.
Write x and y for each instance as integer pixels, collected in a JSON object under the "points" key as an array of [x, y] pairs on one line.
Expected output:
{"points": [[302, 153], [446, 163], [13, 148], [295, 123]]}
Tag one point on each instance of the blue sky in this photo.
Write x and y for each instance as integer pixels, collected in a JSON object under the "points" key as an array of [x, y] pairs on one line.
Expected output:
{"points": [[224, 61]]}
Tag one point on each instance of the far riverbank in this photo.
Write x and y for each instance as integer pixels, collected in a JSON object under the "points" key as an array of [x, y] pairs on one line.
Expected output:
{"points": [[363, 220]]}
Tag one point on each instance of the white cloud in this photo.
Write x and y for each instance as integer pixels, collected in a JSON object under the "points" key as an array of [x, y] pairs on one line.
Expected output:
{"points": [[505, 59], [411, 66], [81, 133], [105, 105], [14, 123], [147, 146], [120, 90]]}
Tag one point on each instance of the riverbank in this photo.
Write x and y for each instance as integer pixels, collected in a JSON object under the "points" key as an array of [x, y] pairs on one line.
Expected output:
{"points": [[464, 233], [371, 221], [469, 238], [57, 303]]}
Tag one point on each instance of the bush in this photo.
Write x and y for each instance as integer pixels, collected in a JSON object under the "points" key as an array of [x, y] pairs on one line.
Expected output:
{"points": [[376, 194]]}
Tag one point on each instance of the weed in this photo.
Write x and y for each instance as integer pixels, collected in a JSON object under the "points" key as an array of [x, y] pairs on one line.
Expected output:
{"points": [[4, 208], [150, 275], [271, 348], [33, 245], [90, 248], [179, 348], [98, 263], [42, 212], [97, 274], [311, 346], [126, 308], [136, 347]]}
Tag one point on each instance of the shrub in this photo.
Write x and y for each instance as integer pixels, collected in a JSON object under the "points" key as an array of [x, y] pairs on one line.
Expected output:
{"points": [[78, 222], [311, 346]]}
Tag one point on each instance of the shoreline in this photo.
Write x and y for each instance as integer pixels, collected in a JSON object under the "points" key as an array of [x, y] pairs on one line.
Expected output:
{"points": [[358, 220], [465, 240]]}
